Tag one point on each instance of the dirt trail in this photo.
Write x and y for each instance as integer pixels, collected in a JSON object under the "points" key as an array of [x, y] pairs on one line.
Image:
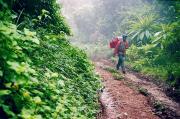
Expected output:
{"points": [[120, 101]]}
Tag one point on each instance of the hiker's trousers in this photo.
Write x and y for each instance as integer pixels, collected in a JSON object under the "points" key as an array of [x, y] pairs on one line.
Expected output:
{"points": [[121, 62]]}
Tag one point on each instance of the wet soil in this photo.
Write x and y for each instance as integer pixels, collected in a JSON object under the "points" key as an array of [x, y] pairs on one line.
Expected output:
{"points": [[120, 99]]}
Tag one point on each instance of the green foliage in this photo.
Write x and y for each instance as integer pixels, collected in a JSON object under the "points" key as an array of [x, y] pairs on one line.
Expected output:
{"points": [[117, 76], [112, 70], [41, 74], [113, 59], [115, 73], [142, 29], [40, 14], [161, 37], [78, 83], [16, 69], [158, 54], [160, 108]]}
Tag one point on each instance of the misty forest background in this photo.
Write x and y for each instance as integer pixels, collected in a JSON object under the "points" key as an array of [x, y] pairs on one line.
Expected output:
{"points": [[152, 27], [43, 76]]}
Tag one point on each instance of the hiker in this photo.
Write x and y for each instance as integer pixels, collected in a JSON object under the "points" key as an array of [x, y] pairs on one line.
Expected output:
{"points": [[121, 44]]}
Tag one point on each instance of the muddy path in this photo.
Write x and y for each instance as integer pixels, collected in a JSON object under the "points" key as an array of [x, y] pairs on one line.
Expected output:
{"points": [[120, 99]]}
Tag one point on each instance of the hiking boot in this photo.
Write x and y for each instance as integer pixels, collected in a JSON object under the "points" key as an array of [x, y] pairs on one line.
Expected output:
{"points": [[124, 72]]}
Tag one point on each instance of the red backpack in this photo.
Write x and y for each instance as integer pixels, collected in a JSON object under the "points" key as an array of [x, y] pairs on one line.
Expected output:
{"points": [[114, 42]]}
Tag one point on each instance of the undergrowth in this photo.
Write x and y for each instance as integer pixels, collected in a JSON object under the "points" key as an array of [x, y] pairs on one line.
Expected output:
{"points": [[115, 73], [41, 74]]}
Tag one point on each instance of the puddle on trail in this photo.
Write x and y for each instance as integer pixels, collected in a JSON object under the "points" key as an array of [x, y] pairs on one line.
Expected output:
{"points": [[108, 107]]}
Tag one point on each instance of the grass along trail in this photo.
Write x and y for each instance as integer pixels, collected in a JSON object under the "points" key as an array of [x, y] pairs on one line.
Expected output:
{"points": [[124, 99]]}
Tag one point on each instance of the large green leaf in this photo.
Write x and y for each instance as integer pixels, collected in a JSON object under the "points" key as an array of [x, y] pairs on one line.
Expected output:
{"points": [[4, 92], [157, 39], [1, 73], [148, 35], [135, 35], [8, 110], [142, 36], [31, 36], [157, 33]]}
